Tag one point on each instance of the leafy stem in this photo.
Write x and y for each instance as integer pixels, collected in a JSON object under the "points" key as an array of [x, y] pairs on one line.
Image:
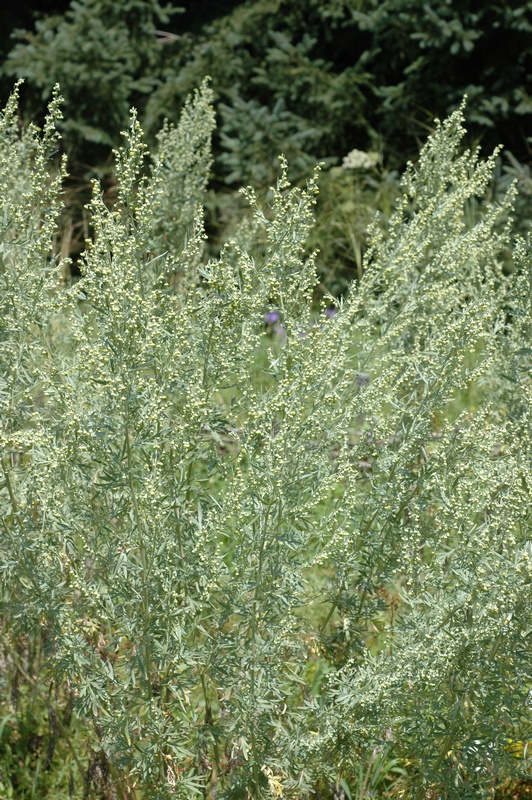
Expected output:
{"points": [[139, 525]]}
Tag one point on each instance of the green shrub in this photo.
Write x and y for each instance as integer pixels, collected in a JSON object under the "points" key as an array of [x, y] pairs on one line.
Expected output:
{"points": [[326, 76], [105, 55], [249, 550], [309, 79]]}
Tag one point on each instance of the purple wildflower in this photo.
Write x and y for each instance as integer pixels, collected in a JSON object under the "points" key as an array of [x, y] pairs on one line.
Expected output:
{"points": [[271, 317]]}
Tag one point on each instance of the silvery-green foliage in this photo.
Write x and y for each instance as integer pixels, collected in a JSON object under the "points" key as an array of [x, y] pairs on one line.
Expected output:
{"points": [[29, 205], [442, 532], [180, 173], [30, 304], [199, 515]]}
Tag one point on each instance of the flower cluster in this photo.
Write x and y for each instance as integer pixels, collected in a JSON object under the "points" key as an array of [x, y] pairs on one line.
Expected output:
{"points": [[358, 159]]}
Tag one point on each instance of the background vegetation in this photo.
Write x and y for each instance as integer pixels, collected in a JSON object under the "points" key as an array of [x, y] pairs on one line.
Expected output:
{"points": [[309, 79]]}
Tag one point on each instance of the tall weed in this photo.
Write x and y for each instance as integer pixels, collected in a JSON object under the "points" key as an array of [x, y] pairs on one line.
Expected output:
{"points": [[250, 561]]}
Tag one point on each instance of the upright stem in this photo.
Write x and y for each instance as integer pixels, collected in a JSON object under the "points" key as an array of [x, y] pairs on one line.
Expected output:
{"points": [[144, 560], [11, 493], [206, 362], [253, 737], [216, 770], [252, 677], [256, 599]]}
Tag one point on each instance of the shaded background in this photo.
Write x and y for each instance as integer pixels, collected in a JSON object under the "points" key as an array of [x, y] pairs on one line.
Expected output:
{"points": [[311, 79]]}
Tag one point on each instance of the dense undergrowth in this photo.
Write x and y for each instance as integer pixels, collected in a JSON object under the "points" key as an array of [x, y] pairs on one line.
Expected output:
{"points": [[250, 547]]}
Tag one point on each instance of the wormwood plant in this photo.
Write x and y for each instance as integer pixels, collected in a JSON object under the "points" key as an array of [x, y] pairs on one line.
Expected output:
{"points": [[246, 564]]}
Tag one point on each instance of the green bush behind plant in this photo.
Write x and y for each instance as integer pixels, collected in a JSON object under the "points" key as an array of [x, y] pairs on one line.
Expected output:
{"points": [[243, 559], [312, 80], [303, 77]]}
